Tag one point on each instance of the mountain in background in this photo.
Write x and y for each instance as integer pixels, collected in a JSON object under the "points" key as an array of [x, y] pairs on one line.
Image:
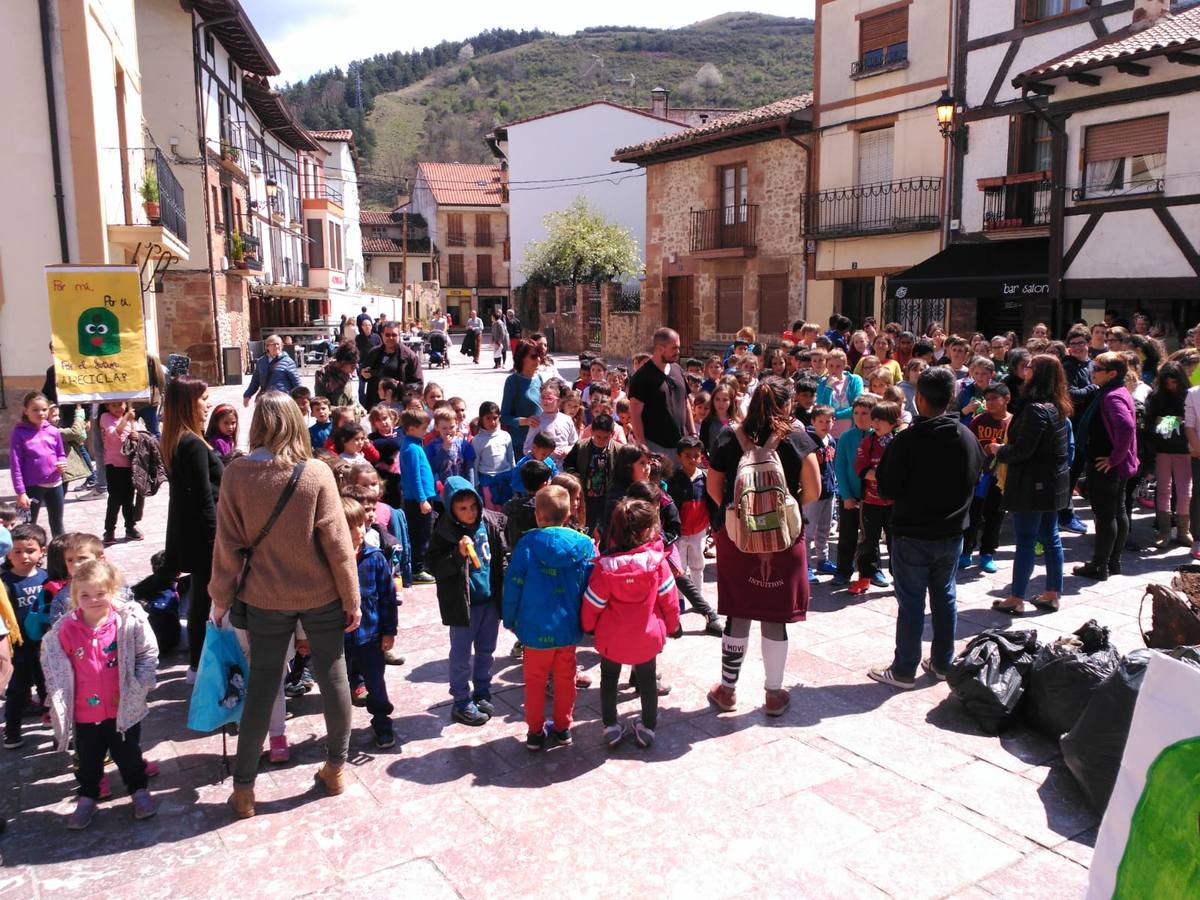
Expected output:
{"points": [[439, 102]]}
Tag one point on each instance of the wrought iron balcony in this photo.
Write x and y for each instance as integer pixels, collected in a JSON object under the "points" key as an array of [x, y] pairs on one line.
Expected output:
{"points": [[172, 211], [1014, 202], [882, 60], [883, 207], [727, 228]]}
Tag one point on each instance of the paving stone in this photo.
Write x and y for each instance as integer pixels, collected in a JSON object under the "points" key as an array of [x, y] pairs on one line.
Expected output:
{"points": [[1040, 874], [881, 799]]}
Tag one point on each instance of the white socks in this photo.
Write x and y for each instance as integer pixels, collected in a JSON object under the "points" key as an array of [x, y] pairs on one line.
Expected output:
{"points": [[774, 661]]}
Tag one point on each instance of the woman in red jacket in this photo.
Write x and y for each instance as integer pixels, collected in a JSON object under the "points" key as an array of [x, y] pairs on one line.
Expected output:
{"points": [[631, 605]]}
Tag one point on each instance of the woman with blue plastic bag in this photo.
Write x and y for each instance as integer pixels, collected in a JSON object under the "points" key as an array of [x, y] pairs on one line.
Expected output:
{"points": [[283, 550]]}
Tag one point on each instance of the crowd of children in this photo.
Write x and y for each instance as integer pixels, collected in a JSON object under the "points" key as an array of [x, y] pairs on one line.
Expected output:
{"points": [[581, 530]]}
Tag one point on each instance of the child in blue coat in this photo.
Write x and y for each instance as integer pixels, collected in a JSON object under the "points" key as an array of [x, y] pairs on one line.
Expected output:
{"points": [[543, 586], [376, 632]]}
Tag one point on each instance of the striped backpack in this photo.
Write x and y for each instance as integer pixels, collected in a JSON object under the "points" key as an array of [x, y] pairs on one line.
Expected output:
{"points": [[764, 516]]}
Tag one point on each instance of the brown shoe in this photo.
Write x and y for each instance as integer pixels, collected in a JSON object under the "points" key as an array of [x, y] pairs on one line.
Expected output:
{"points": [[777, 702], [242, 801], [723, 698], [331, 777]]}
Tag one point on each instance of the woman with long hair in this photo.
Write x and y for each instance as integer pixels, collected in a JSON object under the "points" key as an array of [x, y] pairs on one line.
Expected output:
{"points": [[1036, 482], [521, 403], [1166, 441], [771, 589], [1107, 442], [303, 570], [194, 472], [722, 411]]}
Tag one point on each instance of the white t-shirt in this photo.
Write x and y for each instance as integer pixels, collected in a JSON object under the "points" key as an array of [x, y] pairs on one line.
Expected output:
{"points": [[561, 428], [1191, 410]]}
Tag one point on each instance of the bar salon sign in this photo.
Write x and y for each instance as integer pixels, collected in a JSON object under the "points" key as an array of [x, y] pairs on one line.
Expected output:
{"points": [[1027, 288]]}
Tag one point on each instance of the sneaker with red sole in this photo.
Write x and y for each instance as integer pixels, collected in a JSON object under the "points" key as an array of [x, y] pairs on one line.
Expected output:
{"points": [[861, 586], [582, 679], [358, 696], [723, 698], [777, 702], [279, 752], [151, 769]]}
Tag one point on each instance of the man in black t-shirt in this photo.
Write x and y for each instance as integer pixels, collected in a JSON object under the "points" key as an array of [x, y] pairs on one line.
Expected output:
{"points": [[658, 398]]}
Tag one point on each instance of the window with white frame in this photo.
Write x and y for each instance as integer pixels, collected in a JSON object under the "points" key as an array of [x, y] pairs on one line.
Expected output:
{"points": [[1127, 157]]}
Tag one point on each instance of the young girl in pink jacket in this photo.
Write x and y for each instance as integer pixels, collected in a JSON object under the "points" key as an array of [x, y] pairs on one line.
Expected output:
{"points": [[631, 605]]}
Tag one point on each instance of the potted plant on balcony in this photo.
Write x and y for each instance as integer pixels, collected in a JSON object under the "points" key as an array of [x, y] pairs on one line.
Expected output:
{"points": [[149, 191], [237, 249], [228, 151]]}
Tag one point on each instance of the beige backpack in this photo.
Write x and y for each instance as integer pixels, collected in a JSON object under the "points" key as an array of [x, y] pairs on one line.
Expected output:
{"points": [[764, 516]]}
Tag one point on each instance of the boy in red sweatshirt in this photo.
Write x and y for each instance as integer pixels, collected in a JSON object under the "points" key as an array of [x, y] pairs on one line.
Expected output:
{"points": [[876, 511]]}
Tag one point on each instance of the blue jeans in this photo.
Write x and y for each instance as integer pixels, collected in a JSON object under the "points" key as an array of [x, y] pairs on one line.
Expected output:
{"points": [[480, 636], [919, 566], [149, 415], [368, 660], [1029, 528]]}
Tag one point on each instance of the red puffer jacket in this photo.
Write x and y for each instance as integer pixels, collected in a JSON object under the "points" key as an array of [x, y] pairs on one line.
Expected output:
{"points": [[631, 604]]}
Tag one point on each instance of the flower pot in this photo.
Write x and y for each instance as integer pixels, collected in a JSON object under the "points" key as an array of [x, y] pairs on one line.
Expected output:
{"points": [[152, 211]]}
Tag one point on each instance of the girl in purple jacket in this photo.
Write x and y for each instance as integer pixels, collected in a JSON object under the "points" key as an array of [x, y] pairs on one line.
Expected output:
{"points": [[38, 461]]}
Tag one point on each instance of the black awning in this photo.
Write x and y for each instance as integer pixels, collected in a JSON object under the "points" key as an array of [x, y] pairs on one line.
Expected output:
{"points": [[1017, 268]]}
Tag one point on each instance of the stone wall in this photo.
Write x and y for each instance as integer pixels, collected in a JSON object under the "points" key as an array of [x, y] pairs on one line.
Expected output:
{"points": [[776, 174]]}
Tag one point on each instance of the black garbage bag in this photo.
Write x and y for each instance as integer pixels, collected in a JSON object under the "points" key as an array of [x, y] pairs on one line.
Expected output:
{"points": [[988, 677], [1094, 747], [1063, 677]]}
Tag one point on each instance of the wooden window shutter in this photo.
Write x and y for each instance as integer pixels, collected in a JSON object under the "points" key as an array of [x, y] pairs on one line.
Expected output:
{"points": [[878, 32], [1133, 137], [483, 270], [454, 230], [729, 305], [457, 273]]}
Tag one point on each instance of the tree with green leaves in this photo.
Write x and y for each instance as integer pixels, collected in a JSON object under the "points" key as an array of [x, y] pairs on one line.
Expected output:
{"points": [[581, 247]]}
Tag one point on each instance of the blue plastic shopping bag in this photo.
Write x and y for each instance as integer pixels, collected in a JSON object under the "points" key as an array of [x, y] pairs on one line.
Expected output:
{"points": [[220, 689]]}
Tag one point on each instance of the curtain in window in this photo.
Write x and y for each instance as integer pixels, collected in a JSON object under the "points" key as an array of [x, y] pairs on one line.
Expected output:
{"points": [[1099, 175]]}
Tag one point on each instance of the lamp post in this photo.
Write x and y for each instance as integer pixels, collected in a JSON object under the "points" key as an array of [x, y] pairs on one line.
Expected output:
{"points": [[946, 110]]}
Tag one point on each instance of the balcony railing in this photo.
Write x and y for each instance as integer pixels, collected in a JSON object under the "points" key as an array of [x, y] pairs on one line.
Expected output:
{"points": [[456, 239], [727, 228], [323, 192], [883, 207], [1021, 201], [893, 57], [172, 212]]}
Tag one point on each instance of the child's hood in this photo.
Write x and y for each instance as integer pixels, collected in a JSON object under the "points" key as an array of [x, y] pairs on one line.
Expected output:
{"points": [[456, 485], [560, 547], [633, 568]]}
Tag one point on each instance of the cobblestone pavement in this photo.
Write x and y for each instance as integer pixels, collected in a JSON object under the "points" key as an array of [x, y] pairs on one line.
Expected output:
{"points": [[857, 791]]}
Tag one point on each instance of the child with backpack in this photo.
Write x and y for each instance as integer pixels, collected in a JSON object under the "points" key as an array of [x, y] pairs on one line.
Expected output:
{"points": [[631, 605]]}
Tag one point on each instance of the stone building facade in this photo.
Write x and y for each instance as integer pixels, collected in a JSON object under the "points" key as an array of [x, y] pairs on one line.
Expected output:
{"points": [[724, 228]]}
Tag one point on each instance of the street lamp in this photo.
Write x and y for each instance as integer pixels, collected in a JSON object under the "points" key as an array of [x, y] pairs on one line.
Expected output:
{"points": [[272, 188], [946, 110]]}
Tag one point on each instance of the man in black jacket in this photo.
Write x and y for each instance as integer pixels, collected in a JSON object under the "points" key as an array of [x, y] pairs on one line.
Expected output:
{"points": [[1077, 366], [930, 471], [390, 360]]}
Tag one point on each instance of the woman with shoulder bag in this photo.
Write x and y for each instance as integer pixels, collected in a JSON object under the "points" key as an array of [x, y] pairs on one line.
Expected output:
{"points": [[300, 567], [194, 473], [769, 588], [1036, 482]]}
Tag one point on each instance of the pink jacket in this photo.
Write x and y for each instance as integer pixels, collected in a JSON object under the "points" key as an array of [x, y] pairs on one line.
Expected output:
{"points": [[631, 604]]}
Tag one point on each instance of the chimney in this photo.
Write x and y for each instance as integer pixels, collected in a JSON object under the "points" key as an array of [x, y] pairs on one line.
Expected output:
{"points": [[1148, 12], [401, 200], [658, 102]]}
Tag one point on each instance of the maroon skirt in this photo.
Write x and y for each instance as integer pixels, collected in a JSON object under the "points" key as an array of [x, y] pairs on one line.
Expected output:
{"points": [[770, 587]]}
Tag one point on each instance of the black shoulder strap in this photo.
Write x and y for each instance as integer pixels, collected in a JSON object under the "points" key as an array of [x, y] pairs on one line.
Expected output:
{"points": [[288, 490]]}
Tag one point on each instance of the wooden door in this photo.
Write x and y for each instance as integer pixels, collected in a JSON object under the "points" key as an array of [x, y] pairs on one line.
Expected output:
{"points": [[681, 311], [772, 306]]}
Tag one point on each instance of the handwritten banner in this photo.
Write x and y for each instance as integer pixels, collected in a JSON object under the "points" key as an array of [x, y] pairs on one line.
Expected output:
{"points": [[98, 333]]}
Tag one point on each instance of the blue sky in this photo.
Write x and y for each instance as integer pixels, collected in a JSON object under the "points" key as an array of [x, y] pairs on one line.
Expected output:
{"points": [[306, 36]]}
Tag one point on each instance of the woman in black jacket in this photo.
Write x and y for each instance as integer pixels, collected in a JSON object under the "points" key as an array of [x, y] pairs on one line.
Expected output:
{"points": [[1166, 443], [1037, 482], [194, 473]]}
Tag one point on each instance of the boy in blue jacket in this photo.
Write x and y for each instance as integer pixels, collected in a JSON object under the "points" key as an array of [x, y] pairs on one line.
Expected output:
{"points": [[543, 587], [466, 555], [416, 480], [849, 485], [376, 632]]}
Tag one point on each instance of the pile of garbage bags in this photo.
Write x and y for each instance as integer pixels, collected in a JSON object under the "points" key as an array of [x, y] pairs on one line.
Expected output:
{"points": [[1078, 690]]}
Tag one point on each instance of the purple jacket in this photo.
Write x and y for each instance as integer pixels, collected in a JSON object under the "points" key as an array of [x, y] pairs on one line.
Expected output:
{"points": [[33, 455], [1120, 421]]}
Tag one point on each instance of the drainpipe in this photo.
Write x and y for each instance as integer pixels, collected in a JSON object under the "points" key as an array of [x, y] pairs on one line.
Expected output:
{"points": [[808, 184], [201, 125], [52, 109], [1058, 176]]}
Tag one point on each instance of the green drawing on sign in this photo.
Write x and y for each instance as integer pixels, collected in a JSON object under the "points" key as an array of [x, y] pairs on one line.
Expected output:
{"points": [[99, 332], [1162, 855]]}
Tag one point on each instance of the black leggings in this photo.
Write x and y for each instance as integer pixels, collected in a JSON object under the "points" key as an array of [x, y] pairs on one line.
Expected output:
{"points": [[199, 605], [647, 679], [688, 591], [1106, 493], [120, 498]]}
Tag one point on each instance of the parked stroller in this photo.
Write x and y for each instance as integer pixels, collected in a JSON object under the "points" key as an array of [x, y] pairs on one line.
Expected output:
{"points": [[438, 347]]}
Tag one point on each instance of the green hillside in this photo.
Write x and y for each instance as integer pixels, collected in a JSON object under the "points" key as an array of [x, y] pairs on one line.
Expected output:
{"points": [[446, 99]]}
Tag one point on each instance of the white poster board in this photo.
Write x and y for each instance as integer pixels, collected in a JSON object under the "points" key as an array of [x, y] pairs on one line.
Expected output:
{"points": [[1155, 817]]}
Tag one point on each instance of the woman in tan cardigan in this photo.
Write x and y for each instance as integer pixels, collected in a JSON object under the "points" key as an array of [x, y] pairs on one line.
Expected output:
{"points": [[304, 570]]}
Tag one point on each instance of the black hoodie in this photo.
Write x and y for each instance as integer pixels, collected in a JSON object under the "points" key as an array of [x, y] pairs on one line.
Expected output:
{"points": [[931, 470]]}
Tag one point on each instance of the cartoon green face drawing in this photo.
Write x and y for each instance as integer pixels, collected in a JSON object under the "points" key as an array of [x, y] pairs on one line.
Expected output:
{"points": [[99, 332]]}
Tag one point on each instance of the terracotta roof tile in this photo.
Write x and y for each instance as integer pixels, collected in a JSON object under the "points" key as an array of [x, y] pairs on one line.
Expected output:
{"points": [[761, 114], [1171, 32], [385, 245], [336, 134], [395, 217], [463, 184]]}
